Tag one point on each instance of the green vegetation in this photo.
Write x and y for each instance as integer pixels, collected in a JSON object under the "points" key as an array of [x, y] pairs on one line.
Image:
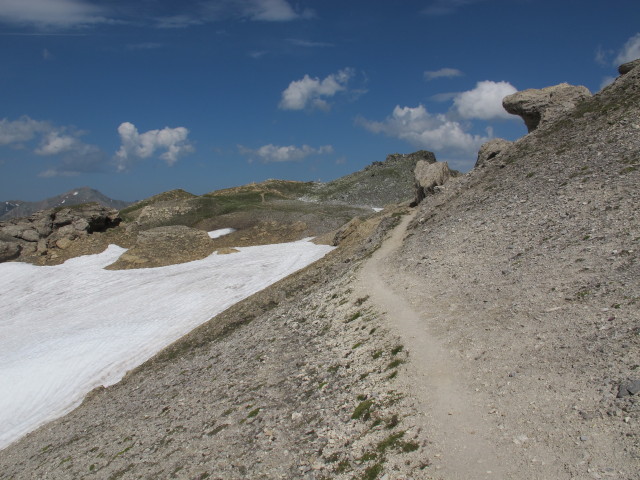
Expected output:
{"points": [[363, 410]]}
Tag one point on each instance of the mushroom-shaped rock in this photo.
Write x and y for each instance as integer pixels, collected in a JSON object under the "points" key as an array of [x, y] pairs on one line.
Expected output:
{"points": [[627, 67], [428, 176], [537, 106], [491, 149]]}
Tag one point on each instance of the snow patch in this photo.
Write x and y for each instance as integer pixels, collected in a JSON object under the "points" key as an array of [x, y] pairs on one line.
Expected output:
{"points": [[75, 193], [221, 232], [70, 328], [375, 209]]}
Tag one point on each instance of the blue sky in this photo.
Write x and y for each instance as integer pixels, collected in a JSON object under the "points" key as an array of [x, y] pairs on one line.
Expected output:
{"points": [[138, 97]]}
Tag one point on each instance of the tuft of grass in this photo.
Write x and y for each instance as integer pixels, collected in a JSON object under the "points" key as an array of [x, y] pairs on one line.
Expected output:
{"points": [[353, 317], [253, 413], [395, 363], [396, 350], [372, 472], [362, 410]]}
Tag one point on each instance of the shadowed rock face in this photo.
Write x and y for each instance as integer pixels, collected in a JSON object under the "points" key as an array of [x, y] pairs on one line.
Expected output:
{"points": [[544, 105], [627, 67], [491, 149]]}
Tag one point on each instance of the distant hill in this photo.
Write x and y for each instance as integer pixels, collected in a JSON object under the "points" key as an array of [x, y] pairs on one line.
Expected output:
{"points": [[17, 209], [9, 205]]}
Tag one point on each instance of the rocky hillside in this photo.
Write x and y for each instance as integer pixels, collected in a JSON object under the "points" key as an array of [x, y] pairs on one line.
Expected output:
{"points": [[492, 331], [73, 197]]}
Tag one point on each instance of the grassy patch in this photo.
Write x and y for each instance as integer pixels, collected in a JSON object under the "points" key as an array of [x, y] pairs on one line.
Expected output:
{"points": [[363, 410]]}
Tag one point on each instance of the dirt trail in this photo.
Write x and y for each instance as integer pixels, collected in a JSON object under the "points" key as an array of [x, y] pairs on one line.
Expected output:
{"points": [[465, 443]]}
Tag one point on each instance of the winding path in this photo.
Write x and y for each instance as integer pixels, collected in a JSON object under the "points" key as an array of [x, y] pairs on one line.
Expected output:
{"points": [[464, 441]]}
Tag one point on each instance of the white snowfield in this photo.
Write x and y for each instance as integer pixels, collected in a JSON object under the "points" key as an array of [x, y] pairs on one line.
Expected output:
{"points": [[67, 329]]}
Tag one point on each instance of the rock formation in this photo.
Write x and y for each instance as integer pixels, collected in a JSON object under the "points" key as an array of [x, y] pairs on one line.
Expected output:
{"points": [[162, 246], [627, 67], [491, 149], [428, 176], [51, 229], [544, 105]]}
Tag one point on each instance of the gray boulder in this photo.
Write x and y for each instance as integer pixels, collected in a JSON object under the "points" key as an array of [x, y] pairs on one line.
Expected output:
{"points": [[491, 149], [9, 250], [538, 106], [428, 176], [627, 67]]}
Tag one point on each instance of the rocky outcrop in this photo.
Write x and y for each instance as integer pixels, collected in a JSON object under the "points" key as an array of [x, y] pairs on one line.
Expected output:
{"points": [[52, 229], [428, 176], [491, 150], [627, 67], [162, 246], [544, 105]]}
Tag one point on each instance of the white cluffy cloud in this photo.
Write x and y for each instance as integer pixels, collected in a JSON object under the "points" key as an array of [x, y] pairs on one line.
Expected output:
{"points": [[311, 92], [274, 153], [425, 130], [137, 145], [485, 101], [51, 13], [442, 73], [630, 50]]}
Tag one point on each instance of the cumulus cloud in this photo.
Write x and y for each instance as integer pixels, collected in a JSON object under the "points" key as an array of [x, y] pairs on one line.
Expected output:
{"points": [[425, 130], [274, 153], [311, 92], [442, 73], [172, 141], [484, 102], [630, 50], [51, 13]]}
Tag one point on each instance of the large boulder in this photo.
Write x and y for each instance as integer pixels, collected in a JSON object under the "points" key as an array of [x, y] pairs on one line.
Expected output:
{"points": [[163, 246], [491, 149], [9, 250], [428, 176], [627, 67], [537, 106]]}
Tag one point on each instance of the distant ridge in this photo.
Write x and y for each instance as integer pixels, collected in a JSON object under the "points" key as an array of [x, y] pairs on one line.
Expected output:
{"points": [[17, 209]]}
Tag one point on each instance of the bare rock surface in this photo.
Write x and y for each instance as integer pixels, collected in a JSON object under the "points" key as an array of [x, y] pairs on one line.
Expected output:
{"points": [[627, 67], [428, 176], [491, 149], [537, 106], [162, 246]]}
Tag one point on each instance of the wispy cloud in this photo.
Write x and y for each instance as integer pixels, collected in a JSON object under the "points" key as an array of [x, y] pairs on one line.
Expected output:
{"points": [[313, 92], [52, 13], [209, 11], [308, 44], [173, 142], [446, 7], [442, 73], [62, 146], [630, 50], [290, 153]]}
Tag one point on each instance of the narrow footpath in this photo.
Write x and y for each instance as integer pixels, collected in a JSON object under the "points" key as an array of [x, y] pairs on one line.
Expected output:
{"points": [[463, 440]]}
